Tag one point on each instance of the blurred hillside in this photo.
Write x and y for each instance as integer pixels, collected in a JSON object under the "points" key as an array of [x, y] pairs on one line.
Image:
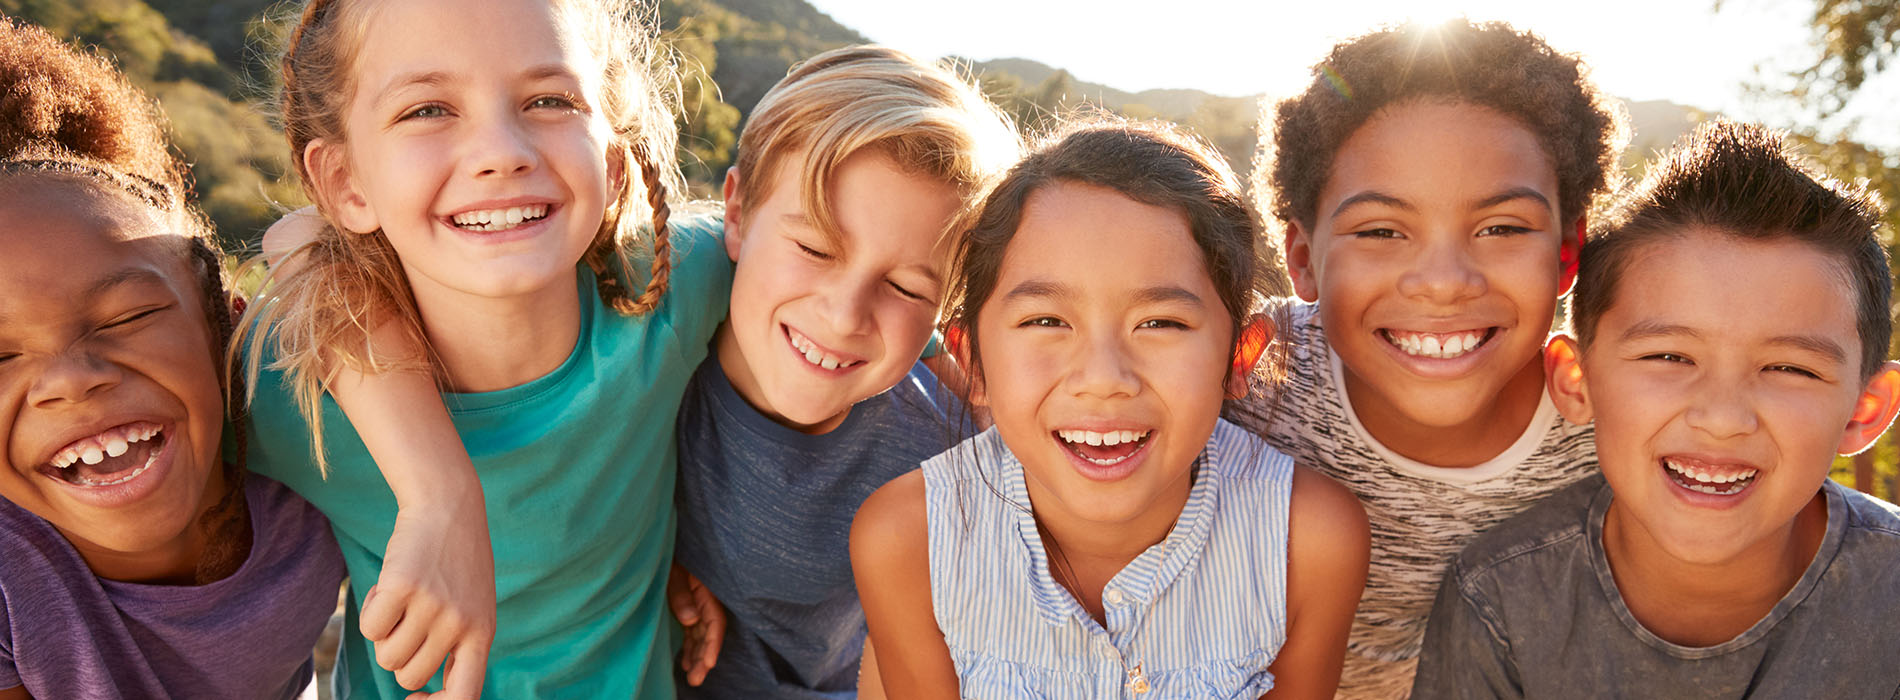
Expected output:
{"points": [[211, 65]]}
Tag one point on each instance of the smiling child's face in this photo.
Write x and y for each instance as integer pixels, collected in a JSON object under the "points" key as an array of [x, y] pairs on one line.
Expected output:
{"points": [[1434, 257], [1103, 352], [818, 324], [1719, 405], [110, 407]]}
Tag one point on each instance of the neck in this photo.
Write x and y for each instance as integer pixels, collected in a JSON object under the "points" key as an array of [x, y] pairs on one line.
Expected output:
{"points": [[1093, 552], [493, 343], [739, 374], [175, 562], [1704, 604], [1469, 443]]}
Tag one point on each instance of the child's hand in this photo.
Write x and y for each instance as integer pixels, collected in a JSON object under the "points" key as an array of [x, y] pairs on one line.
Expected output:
{"points": [[435, 600], [704, 619]]}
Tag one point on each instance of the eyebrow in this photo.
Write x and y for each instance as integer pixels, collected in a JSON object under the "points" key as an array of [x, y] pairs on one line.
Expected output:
{"points": [[1514, 193], [1158, 294], [1373, 197], [130, 275], [437, 78], [1811, 343]]}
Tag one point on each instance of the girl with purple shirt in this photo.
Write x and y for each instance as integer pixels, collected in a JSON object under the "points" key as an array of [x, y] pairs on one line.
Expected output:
{"points": [[135, 559]]}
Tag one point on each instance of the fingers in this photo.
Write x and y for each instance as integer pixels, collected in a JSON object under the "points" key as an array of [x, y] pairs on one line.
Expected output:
{"points": [[679, 595], [398, 649], [382, 609], [714, 616], [463, 679]]}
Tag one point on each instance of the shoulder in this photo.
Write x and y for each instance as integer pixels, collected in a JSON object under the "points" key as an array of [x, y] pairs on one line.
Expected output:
{"points": [[1326, 523], [1556, 525], [891, 530], [1872, 527], [699, 250]]}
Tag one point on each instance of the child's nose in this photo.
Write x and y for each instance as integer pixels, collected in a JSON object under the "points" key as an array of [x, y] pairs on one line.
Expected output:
{"points": [[72, 377], [1103, 369], [1721, 409], [1444, 273], [846, 306], [501, 147]]}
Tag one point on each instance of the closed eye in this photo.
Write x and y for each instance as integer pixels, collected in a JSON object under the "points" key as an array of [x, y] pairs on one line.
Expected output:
{"points": [[907, 294], [813, 252], [133, 317]]}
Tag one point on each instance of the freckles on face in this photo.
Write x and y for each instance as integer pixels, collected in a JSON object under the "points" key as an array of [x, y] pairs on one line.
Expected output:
{"points": [[820, 321], [109, 391], [1103, 349], [1718, 404]]}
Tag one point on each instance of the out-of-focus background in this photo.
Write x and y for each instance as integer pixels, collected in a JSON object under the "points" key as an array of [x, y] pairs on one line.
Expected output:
{"points": [[1821, 68]]}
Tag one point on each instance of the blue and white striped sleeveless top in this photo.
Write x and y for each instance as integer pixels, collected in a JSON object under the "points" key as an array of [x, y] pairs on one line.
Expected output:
{"points": [[1203, 612]]}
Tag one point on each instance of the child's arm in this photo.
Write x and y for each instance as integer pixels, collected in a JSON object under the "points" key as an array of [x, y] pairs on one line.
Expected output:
{"points": [[1327, 555], [890, 557], [434, 600], [703, 619], [1463, 656], [17, 692]]}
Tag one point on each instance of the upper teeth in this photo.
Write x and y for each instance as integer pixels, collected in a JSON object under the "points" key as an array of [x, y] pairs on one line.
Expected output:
{"points": [[1110, 438], [1705, 476], [500, 218], [815, 354], [111, 443], [1442, 346]]}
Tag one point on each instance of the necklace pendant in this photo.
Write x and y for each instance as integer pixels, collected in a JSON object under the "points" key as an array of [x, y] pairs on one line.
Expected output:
{"points": [[1137, 682]]}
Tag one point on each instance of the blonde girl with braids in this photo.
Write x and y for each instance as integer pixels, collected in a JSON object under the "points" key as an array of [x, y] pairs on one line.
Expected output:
{"points": [[137, 558], [494, 177]]}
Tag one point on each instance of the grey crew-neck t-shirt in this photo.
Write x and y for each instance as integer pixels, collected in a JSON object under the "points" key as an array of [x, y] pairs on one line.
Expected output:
{"points": [[65, 633], [1530, 610], [765, 522]]}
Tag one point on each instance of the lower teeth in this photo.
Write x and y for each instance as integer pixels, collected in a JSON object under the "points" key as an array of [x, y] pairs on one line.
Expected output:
{"points": [[134, 474]]}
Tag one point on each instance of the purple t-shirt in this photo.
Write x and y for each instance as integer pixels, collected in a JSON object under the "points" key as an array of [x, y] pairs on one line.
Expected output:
{"points": [[65, 633]]}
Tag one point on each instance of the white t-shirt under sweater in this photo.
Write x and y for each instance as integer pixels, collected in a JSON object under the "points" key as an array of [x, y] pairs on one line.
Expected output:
{"points": [[1421, 515]]}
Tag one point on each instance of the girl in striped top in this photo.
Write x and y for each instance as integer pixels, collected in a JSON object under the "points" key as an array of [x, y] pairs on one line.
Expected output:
{"points": [[1110, 536]]}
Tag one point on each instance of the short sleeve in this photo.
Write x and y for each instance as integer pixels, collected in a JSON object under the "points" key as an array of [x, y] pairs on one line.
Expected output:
{"points": [[9, 674], [700, 285], [1463, 656]]}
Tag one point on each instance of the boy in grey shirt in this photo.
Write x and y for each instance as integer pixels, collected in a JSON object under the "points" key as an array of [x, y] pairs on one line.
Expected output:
{"points": [[1731, 325]]}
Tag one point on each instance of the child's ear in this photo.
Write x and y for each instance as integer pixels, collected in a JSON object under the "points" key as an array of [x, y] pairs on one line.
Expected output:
{"points": [[328, 164], [734, 231], [1299, 261], [1874, 410], [1569, 251], [1254, 339], [1563, 376]]}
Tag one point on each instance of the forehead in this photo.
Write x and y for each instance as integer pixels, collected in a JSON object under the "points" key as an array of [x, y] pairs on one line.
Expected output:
{"points": [[456, 41], [1100, 241], [63, 233], [1433, 152], [1734, 289]]}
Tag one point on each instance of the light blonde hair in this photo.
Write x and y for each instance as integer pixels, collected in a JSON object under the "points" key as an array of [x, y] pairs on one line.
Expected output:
{"points": [[848, 100], [322, 301]]}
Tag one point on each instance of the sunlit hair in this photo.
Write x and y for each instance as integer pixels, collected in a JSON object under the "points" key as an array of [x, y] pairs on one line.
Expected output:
{"points": [[864, 98], [1489, 65], [1745, 182], [67, 116], [331, 293], [1153, 163]]}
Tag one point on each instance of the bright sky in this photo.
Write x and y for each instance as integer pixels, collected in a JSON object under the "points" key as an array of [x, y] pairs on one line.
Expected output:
{"points": [[1680, 50]]}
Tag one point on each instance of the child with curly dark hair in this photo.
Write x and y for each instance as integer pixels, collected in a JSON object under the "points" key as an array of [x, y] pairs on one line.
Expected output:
{"points": [[137, 558], [1431, 187], [1730, 338]]}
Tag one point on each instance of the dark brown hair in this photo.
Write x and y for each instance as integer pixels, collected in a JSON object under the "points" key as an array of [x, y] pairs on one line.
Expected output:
{"points": [[1150, 162], [67, 114], [1743, 181], [1489, 65]]}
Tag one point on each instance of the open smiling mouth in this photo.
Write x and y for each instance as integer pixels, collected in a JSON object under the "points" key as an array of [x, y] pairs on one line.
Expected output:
{"points": [[1438, 346], [815, 355], [1712, 480], [494, 220], [1105, 449], [110, 458]]}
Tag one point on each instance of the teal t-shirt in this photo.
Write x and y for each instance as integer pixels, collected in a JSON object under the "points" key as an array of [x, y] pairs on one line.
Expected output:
{"points": [[577, 468]]}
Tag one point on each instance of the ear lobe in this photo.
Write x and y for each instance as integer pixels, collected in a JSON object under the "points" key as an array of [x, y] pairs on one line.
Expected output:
{"points": [[734, 232], [1569, 252], [1563, 377], [1252, 345], [328, 164], [1299, 261], [1873, 410]]}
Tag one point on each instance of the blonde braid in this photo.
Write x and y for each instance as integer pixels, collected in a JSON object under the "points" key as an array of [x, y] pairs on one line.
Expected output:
{"points": [[607, 279]]}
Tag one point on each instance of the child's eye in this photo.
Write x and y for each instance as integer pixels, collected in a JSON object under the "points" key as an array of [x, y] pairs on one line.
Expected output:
{"points": [[1792, 369], [133, 317], [427, 111], [1377, 233], [1162, 323], [1667, 357], [1503, 230], [813, 252], [907, 294], [1043, 322], [554, 102]]}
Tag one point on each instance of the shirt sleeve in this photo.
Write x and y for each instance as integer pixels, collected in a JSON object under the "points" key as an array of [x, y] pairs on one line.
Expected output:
{"points": [[9, 674], [1464, 655]]}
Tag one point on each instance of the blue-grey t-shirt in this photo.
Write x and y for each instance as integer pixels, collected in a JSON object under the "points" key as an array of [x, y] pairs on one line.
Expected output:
{"points": [[1531, 610], [765, 522]]}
